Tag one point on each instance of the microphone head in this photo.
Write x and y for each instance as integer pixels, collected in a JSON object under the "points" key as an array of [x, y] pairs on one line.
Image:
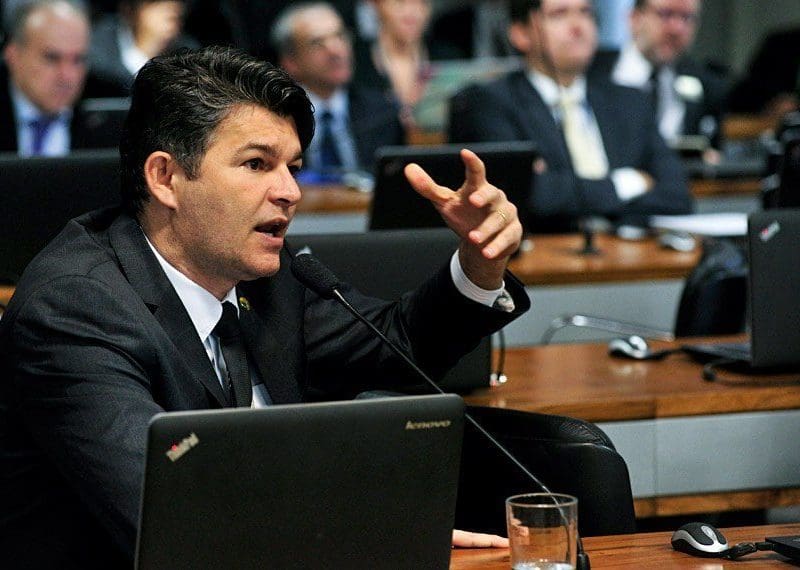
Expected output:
{"points": [[314, 275]]}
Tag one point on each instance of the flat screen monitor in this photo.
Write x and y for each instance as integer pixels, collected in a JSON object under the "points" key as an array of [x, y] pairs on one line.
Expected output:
{"points": [[395, 205], [40, 195]]}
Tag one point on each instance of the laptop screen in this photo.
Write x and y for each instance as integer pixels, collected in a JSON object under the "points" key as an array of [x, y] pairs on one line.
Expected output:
{"points": [[358, 484]]}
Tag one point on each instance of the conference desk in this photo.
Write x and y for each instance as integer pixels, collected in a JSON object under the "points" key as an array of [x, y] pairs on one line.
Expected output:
{"points": [[691, 446], [646, 550]]}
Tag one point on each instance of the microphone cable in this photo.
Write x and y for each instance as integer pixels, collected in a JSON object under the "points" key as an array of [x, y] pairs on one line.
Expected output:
{"points": [[322, 281]]}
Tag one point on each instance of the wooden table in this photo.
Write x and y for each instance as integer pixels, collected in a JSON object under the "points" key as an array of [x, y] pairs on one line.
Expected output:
{"points": [[646, 405], [582, 381], [646, 550], [553, 260]]}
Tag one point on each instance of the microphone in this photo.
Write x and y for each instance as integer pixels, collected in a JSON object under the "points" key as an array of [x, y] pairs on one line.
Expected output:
{"points": [[315, 276]]}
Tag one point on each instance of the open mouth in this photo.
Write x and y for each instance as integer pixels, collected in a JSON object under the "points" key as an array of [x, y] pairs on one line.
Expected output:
{"points": [[276, 228]]}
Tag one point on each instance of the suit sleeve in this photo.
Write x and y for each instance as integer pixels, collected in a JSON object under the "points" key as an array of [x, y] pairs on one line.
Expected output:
{"points": [[434, 324], [82, 390]]}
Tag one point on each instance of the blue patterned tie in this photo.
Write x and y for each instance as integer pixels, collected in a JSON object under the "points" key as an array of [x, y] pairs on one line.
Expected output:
{"points": [[328, 151], [39, 128]]}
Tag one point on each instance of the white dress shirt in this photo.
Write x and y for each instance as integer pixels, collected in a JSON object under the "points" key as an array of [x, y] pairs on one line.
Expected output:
{"points": [[628, 182], [132, 57]]}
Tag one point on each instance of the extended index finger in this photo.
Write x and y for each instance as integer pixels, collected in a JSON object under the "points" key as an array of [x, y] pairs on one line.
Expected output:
{"points": [[474, 170]]}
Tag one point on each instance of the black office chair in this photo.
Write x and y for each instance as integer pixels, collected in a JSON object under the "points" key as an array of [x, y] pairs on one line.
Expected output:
{"points": [[713, 300], [568, 455]]}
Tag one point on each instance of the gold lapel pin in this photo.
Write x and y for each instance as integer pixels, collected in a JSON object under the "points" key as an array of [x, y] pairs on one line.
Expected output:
{"points": [[244, 303]]}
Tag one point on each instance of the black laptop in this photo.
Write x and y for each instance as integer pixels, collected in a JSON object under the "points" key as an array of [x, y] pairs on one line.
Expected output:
{"points": [[358, 484], [39, 195], [774, 295], [395, 205]]}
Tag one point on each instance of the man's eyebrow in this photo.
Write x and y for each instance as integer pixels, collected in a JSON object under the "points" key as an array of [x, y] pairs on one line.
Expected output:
{"points": [[269, 150]]}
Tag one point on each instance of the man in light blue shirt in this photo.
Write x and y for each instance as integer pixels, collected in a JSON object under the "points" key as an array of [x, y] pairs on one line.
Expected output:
{"points": [[45, 56]]}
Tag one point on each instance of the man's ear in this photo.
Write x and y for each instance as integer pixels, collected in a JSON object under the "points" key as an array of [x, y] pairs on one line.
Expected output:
{"points": [[160, 174], [519, 36], [287, 62]]}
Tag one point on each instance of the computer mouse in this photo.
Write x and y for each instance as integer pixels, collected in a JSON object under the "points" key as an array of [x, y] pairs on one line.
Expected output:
{"points": [[677, 241], [632, 346], [700, 539]]}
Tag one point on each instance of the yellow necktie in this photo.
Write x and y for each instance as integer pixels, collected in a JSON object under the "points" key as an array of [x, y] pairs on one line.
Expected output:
{"points": [[584, 146]]}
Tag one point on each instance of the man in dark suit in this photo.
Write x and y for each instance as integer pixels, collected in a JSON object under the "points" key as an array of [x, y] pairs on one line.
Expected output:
{"points": [[353, 121], [45, 55], [689, 98], [119, 318], [601, 152]]}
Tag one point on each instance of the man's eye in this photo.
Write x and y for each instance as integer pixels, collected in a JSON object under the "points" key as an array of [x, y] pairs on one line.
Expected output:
{"points": [[255, 164], [294, 170]]}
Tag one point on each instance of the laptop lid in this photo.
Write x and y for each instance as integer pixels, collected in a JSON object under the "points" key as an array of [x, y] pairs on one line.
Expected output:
{"points": [[774, 283], [386, 264], [40, 195], [395, 205], [358, 484]]}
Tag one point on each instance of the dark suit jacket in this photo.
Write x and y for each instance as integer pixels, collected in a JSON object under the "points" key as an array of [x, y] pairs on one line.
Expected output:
{"points": [[87, 129], [96, 341], [374, 122], [710, 107], [510, 109]]}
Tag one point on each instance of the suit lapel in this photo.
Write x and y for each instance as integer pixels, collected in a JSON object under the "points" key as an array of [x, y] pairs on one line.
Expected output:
{"points": [[538, 122], [145, 275], [272, 333], [608, 123]]}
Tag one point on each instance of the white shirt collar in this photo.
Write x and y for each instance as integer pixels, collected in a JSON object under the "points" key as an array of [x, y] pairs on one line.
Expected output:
{"points": [[633, 69], [132, 57], [204, 308], [551, 92], [25, 111]]}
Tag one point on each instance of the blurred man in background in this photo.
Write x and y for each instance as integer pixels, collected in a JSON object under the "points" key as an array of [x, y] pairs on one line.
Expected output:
{"points": [[688, 98], [42, 80]]}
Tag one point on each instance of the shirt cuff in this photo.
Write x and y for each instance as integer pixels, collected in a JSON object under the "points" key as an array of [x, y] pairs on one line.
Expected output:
{"points": [[472, 291], [628, 183]]}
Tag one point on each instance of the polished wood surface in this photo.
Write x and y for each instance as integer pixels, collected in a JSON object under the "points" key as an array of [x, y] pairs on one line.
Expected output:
{"points": [[665, 506], [583, 381], [333, 199], [725, 187], [748, 126], [5, 293], [554, 260], [645, 550]]}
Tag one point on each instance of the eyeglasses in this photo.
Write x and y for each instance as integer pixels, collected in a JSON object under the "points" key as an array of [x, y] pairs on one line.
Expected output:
{"points": [[666, 14], [320, 42]]}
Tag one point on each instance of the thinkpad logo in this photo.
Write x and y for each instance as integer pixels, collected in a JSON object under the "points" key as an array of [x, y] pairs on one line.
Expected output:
{"points": [[179, 449]]}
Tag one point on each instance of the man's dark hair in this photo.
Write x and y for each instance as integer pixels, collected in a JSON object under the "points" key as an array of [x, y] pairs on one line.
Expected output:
{"points": [[520, 10], [639, 4], [177, 102]]}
